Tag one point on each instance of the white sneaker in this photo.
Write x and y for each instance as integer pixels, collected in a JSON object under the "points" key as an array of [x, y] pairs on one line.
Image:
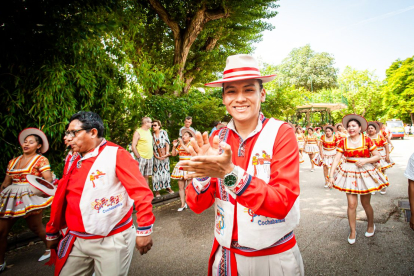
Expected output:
{"points": [[44, 256], [383, 192], [326, 186], [373, 193]]}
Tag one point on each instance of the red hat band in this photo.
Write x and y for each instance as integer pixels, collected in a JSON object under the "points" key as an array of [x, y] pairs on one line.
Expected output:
{"points": [[241, 72]]}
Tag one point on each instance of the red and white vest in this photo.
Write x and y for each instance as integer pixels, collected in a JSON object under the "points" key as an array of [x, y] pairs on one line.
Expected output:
{"points": [[104, 201], [254, 231]]}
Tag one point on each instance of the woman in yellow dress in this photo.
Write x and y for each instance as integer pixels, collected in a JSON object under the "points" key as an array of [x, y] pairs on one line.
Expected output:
{"points": [[16, 198]]}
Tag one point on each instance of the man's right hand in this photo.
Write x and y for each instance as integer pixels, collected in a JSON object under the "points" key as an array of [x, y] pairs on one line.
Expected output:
{"points": [[143, 244], [52, 244]]}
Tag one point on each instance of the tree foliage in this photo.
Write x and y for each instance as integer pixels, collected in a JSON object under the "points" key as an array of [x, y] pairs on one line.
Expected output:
{"points": [[398, 90], [171, 110], [195, 37], [361, 89], [306, 68], [53, 63]]}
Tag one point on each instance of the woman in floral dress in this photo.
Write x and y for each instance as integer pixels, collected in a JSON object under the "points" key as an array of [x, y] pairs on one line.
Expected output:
{"points": [[161, 169]]}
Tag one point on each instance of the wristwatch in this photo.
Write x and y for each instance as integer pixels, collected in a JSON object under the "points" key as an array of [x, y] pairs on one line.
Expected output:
{"points": [[231, 178]]}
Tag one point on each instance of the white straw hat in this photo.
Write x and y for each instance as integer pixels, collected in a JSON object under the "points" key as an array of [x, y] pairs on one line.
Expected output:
{"points": [[40, 187], [359, 118], [32, 130], [241, 67], [375, 125]]}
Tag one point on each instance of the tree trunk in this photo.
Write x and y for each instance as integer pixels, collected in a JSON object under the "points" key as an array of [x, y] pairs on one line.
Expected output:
{"points": [[185, 37]]}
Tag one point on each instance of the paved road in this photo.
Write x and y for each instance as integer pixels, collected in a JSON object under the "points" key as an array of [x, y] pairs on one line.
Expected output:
{"points": [[182, 241]]}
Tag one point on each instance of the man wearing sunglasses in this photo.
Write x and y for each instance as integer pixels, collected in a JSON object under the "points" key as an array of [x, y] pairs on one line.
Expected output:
{"points": [[94, 200]]}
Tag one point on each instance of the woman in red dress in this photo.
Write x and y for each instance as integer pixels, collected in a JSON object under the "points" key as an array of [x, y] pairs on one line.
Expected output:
{"points": [[16, 198], [182, 149], [327, 151], [311, 146], [382, 147], [300, 138], [357, 175], [340, 132]]}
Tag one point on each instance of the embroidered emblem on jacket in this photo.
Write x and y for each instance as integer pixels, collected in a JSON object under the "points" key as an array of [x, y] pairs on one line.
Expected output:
{"points": [[106, 204], [220, 221], [251, 213], [261, 163], [96, 176], [262, 220]]}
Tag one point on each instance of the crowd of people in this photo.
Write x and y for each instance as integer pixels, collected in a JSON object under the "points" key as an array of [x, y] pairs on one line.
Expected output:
{"points": [[355, 155], [247, 169]]}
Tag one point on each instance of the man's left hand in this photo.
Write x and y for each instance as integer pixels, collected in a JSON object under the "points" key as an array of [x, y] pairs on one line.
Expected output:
{"points": [[143, 244], [209, 165]]}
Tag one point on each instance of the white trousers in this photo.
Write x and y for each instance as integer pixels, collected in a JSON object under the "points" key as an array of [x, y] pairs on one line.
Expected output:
{"points": [[288, 263], [107, 256]]}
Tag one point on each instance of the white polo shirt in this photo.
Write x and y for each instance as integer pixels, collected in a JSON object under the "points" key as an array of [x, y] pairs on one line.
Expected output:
{"points": [[409, 172]]}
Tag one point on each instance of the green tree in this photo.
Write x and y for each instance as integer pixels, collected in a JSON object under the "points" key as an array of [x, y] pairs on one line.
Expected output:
{"points": [[398, 90], [306, 68], [54, 63], [281, 102], [362, 90], [197, 36]]}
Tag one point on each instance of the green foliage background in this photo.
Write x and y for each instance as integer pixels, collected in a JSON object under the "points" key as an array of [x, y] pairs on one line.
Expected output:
{"points": [[114, 57]]}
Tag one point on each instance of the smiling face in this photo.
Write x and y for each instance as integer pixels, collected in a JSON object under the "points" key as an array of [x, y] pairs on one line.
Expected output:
{"points": [[243, 99], [30, 145], [353, 128], [371, 130], [310, 131]]}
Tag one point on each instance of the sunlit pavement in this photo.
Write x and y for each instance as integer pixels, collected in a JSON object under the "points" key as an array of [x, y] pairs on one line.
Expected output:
{"points": [[182, 240]]}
